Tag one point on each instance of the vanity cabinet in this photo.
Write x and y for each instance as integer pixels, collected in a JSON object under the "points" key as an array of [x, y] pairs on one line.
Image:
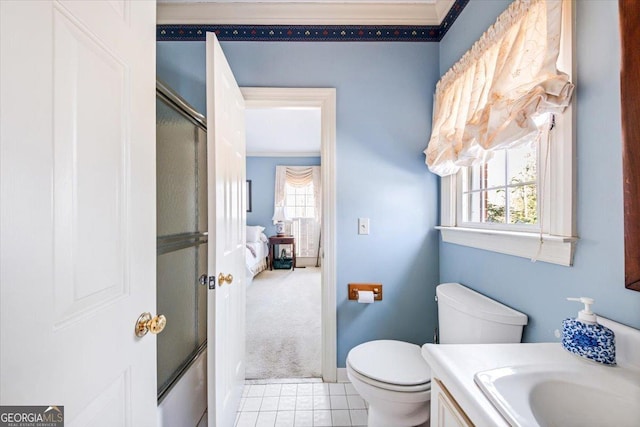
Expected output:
{"points": [[445, 411]]}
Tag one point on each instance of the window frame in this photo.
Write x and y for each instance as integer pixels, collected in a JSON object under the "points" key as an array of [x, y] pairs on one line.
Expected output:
{"points": [[309, 191], [555, 242], [461, 212]]}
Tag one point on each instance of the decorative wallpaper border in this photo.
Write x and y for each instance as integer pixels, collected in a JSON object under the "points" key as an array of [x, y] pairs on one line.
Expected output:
{"points": [[451, 17], [322, 33]]}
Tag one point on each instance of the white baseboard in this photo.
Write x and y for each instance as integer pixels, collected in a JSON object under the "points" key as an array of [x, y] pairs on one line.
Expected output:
{"points": [[305, 261], [342, 375]]}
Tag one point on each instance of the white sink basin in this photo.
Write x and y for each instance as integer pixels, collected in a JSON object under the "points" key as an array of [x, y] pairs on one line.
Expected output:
{"points": [[578, 394]]}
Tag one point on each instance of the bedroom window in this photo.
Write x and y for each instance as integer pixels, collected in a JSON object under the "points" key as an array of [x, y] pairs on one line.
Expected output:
{"points": [[300, 206], [502, 138], [298, 190], [300, 202]]}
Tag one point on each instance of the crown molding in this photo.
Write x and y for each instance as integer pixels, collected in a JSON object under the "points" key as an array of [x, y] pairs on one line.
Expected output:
{"points": [[191, 22], [259, 13]]}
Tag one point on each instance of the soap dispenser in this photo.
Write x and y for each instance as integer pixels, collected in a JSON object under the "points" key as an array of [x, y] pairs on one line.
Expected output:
{"points": [[584, 337]]}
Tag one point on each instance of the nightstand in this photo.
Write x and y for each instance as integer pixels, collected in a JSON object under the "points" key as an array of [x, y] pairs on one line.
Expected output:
{"points": [[281, 240]]}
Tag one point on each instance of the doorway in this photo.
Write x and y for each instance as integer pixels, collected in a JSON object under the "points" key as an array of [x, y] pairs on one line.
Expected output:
{"points": [[325, 100]]}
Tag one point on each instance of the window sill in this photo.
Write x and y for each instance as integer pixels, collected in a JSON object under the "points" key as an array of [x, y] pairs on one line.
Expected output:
{"points": [[555, 249]]}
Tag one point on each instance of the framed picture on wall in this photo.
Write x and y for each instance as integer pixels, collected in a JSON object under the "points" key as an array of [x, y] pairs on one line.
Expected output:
{"points": [[248, 195]]}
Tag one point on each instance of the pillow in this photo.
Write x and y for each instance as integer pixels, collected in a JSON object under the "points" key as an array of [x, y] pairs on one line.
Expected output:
{"points": [[253, 233]]}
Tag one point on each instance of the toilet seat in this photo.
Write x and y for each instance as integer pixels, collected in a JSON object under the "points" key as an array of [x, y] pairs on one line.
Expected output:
{"points": [[388, 386], [390, 365]]}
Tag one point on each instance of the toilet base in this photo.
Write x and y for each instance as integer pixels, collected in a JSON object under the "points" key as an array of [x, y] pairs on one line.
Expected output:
{"points": [[392, 408], [378, 418]]}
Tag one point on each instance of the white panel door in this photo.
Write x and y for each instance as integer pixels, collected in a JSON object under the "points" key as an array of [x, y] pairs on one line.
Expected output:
{"points": [[78, 208], [227, 217]]}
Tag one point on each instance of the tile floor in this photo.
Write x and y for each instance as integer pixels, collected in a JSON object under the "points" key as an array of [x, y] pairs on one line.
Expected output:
{"points": [[293, 404]]}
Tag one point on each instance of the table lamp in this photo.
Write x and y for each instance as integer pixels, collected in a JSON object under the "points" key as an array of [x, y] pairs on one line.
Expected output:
{"points": [[279, 217]]}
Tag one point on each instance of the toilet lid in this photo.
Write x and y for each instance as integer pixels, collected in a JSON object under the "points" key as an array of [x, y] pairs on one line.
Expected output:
{"points": [[393, 362]]}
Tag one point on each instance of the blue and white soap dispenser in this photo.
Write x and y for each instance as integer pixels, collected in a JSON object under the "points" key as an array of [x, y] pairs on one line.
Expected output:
{"points": [[584, 337]]}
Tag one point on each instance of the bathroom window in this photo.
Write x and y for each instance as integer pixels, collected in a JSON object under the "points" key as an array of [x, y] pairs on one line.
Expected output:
{"points": [[503, 190], [521, 201]]}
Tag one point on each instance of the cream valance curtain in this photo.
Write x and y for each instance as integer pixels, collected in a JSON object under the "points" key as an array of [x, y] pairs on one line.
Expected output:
{"points": [[488, 99], [298, 176]]}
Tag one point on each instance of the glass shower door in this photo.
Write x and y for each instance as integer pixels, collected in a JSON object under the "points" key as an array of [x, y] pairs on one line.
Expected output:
{"points": [[182, 235]]}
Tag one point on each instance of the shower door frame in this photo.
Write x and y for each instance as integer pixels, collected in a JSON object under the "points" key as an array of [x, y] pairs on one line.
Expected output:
{"points": [[184, 240]]}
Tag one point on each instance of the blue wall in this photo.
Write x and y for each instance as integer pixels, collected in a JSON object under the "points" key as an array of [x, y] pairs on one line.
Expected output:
{"points": [[384, 101], [540, 289], [384, 109], [262, 173]]}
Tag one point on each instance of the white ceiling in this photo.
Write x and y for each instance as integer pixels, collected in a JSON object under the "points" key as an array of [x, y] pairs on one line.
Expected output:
{"points": [[283, 131]]}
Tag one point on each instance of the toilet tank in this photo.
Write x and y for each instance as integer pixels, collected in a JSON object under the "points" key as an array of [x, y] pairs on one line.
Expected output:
{"points": [[467, 317]]}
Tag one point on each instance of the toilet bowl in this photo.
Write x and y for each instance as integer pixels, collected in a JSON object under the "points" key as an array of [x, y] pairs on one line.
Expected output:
{"points": [[394, 378]]}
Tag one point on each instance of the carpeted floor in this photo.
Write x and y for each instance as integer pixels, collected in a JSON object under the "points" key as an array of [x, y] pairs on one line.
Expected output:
{"points": [[283, 324]]}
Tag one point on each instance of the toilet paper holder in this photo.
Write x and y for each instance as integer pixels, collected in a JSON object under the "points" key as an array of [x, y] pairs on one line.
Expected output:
{"points": [[376, 288]]}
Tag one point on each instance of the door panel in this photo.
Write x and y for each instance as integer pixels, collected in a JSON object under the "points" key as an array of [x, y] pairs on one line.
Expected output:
{"points": [[90, 175], [78, 208], [227, 218], [111, 407]]}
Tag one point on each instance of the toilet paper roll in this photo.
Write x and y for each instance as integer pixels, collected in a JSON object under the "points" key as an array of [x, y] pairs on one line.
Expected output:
{"points": [[365, 297]]}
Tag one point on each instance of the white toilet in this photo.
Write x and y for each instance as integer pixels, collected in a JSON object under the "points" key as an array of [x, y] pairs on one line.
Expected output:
{"points": [[394, 378]]}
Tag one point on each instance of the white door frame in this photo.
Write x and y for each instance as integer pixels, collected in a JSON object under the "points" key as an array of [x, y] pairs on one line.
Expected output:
{"points": [[325, 99]]}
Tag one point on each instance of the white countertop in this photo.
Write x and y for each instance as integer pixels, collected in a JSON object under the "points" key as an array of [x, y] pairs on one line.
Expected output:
{"points": [[456, 364]]}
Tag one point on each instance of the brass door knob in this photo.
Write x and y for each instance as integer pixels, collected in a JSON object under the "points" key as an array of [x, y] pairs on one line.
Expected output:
{"points": [[147, 323], [222, 278]]}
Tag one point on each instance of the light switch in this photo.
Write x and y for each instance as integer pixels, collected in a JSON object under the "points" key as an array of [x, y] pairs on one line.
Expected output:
{"points": [[363, 225]]}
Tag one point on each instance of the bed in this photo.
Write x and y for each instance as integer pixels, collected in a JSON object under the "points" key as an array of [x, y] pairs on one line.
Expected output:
{"points": [[257, 250]]}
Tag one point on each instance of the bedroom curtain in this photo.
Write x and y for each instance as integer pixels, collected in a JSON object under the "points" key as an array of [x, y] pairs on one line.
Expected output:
{"points": [[488, 99], [298, 176]]}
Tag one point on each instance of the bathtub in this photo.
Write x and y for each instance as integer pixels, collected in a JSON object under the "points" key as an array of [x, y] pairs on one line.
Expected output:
{"points": [[186, 402]]}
